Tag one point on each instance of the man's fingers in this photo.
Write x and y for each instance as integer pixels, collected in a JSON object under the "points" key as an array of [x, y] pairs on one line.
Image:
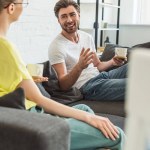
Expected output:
{"points": [[89, 61], [86, 57], [82, 51], [89, 56], [86, 52]]}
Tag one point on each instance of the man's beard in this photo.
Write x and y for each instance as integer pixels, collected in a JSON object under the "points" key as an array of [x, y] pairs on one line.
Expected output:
{"points": [[75, 28]]}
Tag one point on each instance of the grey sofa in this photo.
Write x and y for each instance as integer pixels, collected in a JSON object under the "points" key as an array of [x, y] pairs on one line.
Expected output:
{"points": [[114, 110], [22, 130]]}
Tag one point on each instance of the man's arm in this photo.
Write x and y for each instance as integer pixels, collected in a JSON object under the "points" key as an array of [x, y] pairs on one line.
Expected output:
{"points": [[102, 66], [67, 80]]}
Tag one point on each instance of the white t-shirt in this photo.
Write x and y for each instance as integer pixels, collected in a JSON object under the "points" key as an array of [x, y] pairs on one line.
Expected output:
{"points": [[62, 50]]}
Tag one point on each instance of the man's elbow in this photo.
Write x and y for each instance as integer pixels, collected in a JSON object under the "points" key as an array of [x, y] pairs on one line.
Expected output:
{"points": [[64, 87]]}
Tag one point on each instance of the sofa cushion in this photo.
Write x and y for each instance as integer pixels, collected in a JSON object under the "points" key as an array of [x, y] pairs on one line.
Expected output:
{"points": [[15, 99], [107, 107]]}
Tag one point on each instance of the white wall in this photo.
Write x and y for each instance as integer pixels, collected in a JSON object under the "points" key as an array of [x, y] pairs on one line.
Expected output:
{"points": [[35, 30], [38, 26], [130, 35], [134, 34]]}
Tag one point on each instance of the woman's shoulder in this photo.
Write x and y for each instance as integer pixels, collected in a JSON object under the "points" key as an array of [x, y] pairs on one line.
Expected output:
{"points": [[5, 44], [4, 40], [7, 49]]}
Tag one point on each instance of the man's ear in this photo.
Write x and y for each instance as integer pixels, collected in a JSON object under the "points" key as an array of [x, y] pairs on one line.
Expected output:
{"points": [[58, 20], [11, 8]]}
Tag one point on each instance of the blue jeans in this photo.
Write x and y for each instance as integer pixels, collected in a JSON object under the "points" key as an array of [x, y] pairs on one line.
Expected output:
{"points": [[107, 85], [86, 137]]}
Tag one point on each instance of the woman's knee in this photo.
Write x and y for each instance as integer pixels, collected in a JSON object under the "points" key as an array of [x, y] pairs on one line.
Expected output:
{"points": [[121, 138]]}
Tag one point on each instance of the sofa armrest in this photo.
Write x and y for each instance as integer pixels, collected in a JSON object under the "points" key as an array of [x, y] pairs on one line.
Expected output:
{"points": [[22, 130]]}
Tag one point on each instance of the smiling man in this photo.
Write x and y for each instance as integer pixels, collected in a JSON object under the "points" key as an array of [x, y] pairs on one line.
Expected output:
{"points": [[72, 54]]}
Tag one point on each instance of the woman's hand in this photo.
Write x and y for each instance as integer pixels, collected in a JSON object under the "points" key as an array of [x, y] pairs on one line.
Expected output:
{"points": [[39, 79], [105, 125]]}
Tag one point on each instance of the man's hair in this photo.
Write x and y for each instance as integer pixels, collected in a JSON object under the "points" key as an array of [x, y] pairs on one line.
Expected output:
{"points": [[5, 3], [64, 4]]}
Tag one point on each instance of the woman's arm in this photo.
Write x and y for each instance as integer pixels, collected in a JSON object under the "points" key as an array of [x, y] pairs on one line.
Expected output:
{"points": [[32, 93]]}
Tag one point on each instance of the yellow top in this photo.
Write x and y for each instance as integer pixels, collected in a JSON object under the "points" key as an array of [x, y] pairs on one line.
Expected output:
{"points": [[12, 69]]}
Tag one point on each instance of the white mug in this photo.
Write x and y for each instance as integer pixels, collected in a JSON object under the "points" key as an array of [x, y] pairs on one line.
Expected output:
{"points": [[35, 69], [121, 52]]}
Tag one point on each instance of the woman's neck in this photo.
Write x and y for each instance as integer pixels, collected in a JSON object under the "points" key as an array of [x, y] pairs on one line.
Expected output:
{"points": [[71, 36], [4, 25]]}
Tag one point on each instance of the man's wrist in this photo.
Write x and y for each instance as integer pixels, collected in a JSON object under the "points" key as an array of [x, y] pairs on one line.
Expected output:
{"points": [[112, 63], [97, 64], [79, 68]]}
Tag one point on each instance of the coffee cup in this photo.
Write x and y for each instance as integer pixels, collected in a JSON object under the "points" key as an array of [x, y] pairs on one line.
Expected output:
{"points": [[121, 52], [35, 69]]}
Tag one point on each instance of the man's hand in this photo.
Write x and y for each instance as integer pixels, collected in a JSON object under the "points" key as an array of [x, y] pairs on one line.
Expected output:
{"points": [[39, 79], [96, 60], [86, 57], [105, 125], [118, 61]]}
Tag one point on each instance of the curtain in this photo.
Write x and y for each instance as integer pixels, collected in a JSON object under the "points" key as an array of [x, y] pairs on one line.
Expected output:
{"points": [[141, 11]]}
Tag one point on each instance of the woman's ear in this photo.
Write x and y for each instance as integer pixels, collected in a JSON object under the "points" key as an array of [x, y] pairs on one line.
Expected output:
{"points": [[11, 8]]}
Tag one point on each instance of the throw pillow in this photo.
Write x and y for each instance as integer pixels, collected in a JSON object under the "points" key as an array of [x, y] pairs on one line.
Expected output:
{"points": [[15, 99]]}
